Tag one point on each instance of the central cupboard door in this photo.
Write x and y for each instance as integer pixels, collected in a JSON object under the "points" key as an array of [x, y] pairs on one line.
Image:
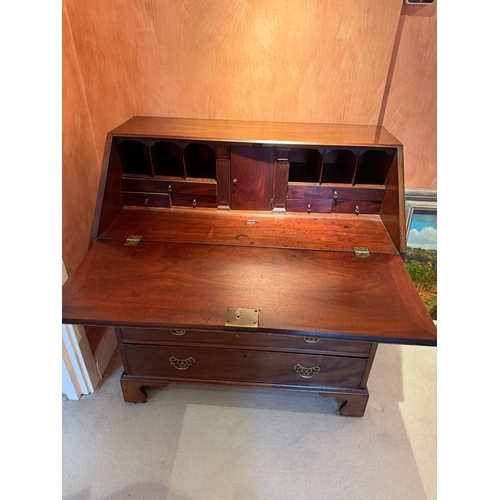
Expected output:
{"points": [[252, 176]]}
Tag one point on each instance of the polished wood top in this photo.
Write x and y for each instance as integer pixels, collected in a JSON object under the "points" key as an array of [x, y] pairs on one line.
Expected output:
{"points": [[298, 292], [250, 132]]}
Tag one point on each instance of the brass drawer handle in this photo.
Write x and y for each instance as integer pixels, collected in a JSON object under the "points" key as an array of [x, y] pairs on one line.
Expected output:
{"points": [[306, 372], [181, 364], [311, 340], [177, 332]]}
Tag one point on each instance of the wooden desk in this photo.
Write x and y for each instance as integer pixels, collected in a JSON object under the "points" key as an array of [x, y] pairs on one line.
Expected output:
{"points": [[247, 271]]}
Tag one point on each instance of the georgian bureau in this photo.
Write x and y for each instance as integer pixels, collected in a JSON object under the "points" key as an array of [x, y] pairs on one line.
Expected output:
{"points": [[249, 254]]}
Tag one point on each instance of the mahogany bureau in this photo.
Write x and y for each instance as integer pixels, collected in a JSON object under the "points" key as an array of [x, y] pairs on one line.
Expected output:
{"points": [[249, 254]]}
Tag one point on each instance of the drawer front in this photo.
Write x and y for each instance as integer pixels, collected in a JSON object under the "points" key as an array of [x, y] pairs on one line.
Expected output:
{"points": [[315, 205], [189, 200], [195, 188], [158, 185], [342, 193], [147, 199], [271, 341], [364, 207], [197, 363], [301, 192]]}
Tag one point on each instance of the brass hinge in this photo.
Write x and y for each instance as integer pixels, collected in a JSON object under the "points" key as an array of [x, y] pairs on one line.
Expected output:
{"points": [[362, 252], [133, 239], [240, 318]]}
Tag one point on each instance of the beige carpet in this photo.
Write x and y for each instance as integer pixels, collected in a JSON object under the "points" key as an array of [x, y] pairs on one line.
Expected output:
{"points": [[200, 443]]}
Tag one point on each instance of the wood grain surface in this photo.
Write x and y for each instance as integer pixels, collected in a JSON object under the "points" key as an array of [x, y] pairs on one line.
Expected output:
{"points": [[300, 292], [260, 132], [110, 196], [81, 162], [232, 339], [324, 62], [245, 365], [165, 185], [344, 193], [252, 174], [313, 231], [313, 205]]}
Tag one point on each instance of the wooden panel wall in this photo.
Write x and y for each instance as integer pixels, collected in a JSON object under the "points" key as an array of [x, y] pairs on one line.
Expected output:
{"points": [[411, 109], [285, 60], [81, 164]]}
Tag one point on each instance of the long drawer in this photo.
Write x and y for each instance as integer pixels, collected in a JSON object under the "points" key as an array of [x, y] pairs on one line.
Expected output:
{"points": [[259, 340], [195, 363]]}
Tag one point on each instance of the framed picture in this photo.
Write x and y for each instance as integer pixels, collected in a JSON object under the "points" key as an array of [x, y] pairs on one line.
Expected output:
{"points": [[421, 252]]}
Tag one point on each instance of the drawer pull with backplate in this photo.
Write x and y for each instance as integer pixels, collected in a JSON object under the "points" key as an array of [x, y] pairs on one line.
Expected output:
{"points": [[181, 364], [306, 372], [311, 340], [177, 332]]}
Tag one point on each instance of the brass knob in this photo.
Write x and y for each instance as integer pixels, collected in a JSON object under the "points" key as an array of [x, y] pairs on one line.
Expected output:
{"points": [[194, 203], [169, 189], [308, 209], [146, 202], [356, 210]]}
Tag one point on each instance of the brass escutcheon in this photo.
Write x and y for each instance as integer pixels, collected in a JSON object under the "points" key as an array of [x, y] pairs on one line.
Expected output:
{"points": [[181, 364], [306, 372], [241, 318]]}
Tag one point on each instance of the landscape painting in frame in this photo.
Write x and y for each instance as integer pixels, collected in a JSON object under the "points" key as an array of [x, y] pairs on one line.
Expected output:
{"points": [[421, 256]]}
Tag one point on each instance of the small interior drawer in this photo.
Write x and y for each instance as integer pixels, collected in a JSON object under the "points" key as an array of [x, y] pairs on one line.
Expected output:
{"points": [[341, 193], [179, 362], [353, 207], [147, 199], [316, 205], [162, 185], [197, 200], [244, 339], [305, 192], [191, 187]]}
